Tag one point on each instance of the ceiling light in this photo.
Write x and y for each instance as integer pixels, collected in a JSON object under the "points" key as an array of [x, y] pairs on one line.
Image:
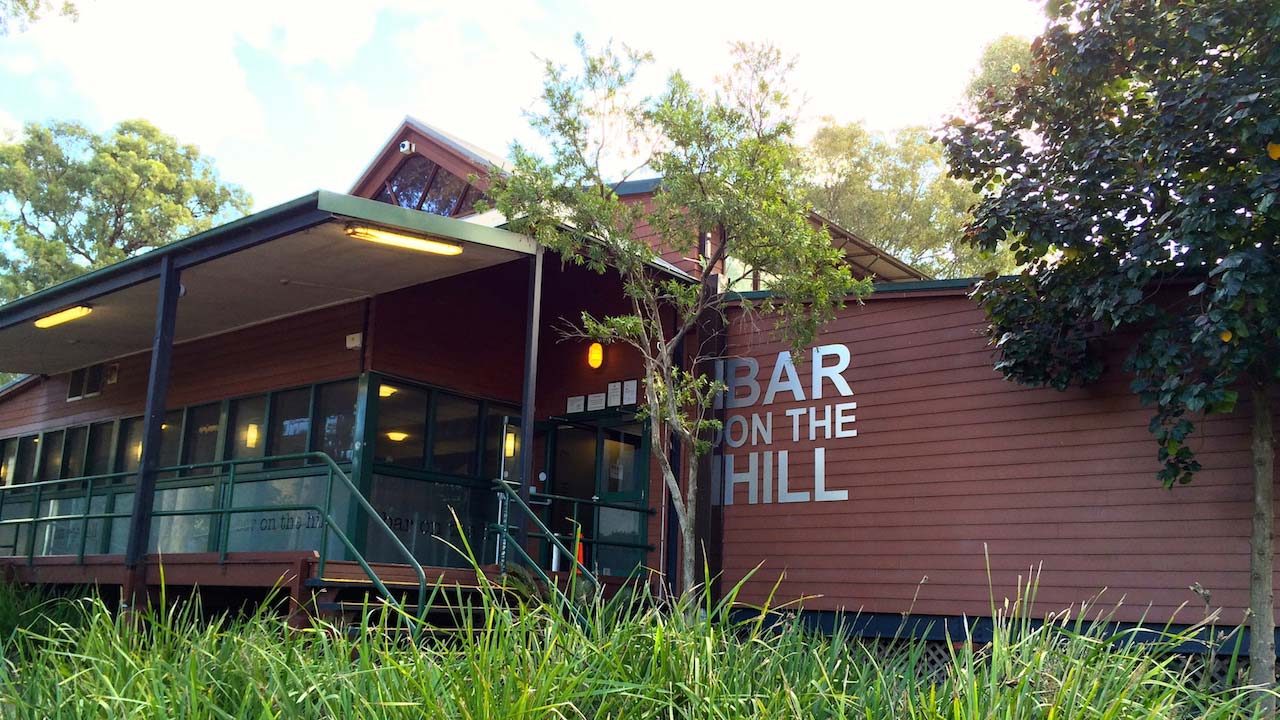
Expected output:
{"points": [[400, 240], [62, 316], [397, 436], [387, 391]]}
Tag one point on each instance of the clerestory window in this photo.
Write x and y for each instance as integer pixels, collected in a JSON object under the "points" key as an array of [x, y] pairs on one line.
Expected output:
{"points": [[422, 184]]}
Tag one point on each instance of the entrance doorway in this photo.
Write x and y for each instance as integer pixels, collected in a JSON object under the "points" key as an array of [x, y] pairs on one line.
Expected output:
{"points": [[598, 481]]}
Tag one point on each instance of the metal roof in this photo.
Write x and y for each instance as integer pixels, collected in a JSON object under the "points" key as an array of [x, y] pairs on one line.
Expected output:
{"points": [[282, 261]]}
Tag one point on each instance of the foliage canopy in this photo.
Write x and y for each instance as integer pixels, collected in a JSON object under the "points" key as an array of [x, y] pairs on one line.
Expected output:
{"points": [[72, 201], [895, 192], [731, 189]]}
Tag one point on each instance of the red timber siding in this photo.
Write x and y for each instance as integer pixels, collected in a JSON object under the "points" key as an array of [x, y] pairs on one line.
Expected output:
{"points": [[467, 334], [953, 464], [464, 333], [568, 290], [298, 350]]}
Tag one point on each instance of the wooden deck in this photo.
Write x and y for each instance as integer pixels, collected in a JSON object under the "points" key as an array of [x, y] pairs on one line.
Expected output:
{"points": [[246, 576]]}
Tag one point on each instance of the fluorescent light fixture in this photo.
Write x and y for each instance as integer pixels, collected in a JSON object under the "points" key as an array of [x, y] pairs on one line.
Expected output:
{"points": [[387, 390], [251, 435], [62, 316], [400, 240], [397, 436], [509, 446]]}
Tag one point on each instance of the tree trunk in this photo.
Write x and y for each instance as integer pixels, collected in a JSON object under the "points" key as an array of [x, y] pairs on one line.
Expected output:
{"points": [[688, 533], [1262, 642]]}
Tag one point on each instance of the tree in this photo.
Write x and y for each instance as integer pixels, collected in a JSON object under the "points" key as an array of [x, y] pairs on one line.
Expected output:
{"points": [[1002, 63], [729, 171], [21, 13], [1137, 166], [895, 192], [72, 201]]}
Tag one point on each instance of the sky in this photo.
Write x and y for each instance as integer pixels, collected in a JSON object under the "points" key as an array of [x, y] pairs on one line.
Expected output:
{"points": [[288, 96]]}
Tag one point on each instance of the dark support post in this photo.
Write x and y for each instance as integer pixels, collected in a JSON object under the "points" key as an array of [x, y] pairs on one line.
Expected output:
{"points": [[530, 385], [135, 586]]}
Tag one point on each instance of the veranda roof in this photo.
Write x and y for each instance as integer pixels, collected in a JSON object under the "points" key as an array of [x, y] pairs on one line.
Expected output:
{"points": [[279, 262]]}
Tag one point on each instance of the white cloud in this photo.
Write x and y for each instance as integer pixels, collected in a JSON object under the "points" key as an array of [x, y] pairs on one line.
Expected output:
{"points": [[9, 126], [469, 67]]}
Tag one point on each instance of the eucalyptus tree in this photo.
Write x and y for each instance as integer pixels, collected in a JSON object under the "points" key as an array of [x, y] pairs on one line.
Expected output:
{"points": [[731, 196]]}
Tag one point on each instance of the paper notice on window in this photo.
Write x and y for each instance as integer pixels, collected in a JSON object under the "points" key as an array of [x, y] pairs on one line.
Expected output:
{"points": [[595, 401], [576, 404], [615, 394], [629, 392]]}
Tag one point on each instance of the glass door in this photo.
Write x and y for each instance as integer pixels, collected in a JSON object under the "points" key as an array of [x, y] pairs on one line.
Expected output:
{"points": [[599, 474], [621, 480]]}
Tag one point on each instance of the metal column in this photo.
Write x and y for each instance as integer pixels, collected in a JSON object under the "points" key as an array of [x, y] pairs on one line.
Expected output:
{"points": [[135, 585], [532, 327]]}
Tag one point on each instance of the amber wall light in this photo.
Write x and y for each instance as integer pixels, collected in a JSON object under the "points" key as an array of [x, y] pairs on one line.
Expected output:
{"points": [[595, 356]]}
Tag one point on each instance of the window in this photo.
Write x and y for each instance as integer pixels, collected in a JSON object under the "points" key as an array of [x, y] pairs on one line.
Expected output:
{"points": [[421, 184], [455, 432], [444, 194], [409, 183], [248, 429], [8, 456], [201, 442], [98, 457], [73, 451], [85, 382], [25, 465], [336, 417], [290, 424], [129, 448], [170, 440], [51, 456], [402, 425]]}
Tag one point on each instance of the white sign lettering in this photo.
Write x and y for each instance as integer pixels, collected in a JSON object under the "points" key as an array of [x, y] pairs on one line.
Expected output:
{"points": [[761, 471]]}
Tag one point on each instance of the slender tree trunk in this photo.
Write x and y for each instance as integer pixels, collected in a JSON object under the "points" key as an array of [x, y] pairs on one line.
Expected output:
{"points": [[1262, 642], [689, 561]]}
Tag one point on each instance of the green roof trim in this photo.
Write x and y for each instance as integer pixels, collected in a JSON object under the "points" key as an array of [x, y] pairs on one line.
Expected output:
{"points": [[882, 288], [309, 210], [380, 213]]}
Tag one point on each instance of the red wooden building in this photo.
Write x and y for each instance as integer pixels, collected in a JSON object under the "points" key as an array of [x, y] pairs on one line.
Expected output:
{"points": [[312, 394]]}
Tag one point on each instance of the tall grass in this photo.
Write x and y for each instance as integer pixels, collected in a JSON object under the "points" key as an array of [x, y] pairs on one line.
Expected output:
{"points": [[524, 658]]}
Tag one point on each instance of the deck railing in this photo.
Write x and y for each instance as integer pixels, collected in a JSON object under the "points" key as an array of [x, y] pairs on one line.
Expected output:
{"points": [[221, 478]]}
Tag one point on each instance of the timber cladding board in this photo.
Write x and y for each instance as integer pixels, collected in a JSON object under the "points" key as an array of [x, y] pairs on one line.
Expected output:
{"points": [[296, 351], [973, 482]]}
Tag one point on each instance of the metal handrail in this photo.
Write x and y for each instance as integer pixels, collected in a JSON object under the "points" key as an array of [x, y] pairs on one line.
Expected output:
{"points": [[225, 510], [505, 530]]}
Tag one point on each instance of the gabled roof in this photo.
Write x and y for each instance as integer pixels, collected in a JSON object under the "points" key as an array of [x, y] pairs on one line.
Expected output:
{"points": [[862, 254], [476, 153], [475, 159]]}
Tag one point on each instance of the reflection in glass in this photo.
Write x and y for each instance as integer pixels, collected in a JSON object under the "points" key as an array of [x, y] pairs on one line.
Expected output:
{"points": [[290, 424], [51, 456], [73, 451], [25, 466], [336, 413], [129, 448], [402, 426], [8, 457], [248, 430], [455, 429], [201, 446], [98, 460], [496, 446]]}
